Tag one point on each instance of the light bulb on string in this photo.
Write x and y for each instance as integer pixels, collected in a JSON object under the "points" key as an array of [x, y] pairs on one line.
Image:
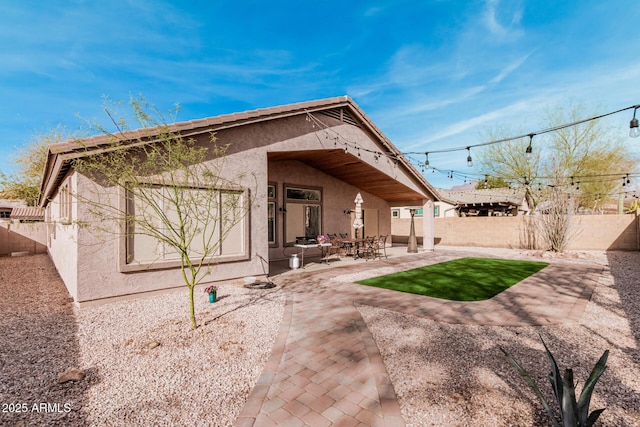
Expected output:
{"points": [[634, 131], [469, 159], [529, 148], [426, 162]]}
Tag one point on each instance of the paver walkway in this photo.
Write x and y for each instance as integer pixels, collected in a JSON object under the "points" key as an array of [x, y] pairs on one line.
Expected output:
{"points": [[325, 368]]}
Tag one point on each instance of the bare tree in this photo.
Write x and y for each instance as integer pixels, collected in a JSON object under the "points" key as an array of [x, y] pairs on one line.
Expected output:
{"points": [[556, 222], [177, 206]]}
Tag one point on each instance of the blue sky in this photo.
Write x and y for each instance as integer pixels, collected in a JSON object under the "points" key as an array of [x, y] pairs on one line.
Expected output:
{"points": [[431, 74]]}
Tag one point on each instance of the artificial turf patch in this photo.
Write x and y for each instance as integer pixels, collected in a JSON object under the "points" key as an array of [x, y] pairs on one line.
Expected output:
{"points": [[464, 279]]}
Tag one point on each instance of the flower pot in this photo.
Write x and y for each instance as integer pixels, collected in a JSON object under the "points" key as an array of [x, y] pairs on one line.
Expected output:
{"points": [[212, 297]]}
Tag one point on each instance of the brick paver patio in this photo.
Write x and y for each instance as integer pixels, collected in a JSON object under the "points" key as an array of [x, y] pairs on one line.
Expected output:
{"points": [[325, 368]]}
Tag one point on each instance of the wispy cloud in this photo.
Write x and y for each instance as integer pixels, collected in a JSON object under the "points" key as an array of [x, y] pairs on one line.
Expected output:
{"points": [[459, 127], [510, 68], [491, 19]]}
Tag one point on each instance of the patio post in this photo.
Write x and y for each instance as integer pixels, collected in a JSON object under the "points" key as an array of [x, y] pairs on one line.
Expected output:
{"points": [[428, 226]]}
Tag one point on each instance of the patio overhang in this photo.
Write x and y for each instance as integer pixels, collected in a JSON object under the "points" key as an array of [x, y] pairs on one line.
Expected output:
{"points": [[350, 169]]}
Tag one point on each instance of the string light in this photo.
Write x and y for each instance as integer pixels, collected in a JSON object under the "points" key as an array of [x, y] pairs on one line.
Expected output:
{"points": [[634, 131]]}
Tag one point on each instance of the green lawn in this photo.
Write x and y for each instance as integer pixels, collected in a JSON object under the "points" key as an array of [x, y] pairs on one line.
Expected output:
{"points": [[465, 279]]}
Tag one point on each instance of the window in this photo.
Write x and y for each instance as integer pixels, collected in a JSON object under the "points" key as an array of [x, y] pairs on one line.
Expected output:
{"points": [[419, 212], [65, 203], [303, 213], [303, 194], [5, 213], [395, 213], [271, 213], [271, 191], [436, 210], [215, 223]]}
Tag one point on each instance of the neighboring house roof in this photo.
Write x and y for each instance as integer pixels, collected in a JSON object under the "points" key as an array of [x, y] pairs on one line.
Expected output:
{"points": [[30, 213], [12, 203], [60, 156], [511, 196]]}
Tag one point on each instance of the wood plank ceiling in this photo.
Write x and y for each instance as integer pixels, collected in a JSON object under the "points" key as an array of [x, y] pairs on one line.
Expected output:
{"points": [[348, 168]]}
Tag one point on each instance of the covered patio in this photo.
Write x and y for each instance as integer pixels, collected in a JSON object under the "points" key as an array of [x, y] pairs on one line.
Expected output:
{"points": [[328, 182]]}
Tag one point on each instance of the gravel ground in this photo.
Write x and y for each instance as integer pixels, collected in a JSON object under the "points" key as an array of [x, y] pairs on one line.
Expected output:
{"points": [[200, 377], [444, 375], [456, 375]]}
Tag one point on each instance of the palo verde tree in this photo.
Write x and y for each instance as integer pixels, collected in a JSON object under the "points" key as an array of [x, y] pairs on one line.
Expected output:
{"points": [[587, 159], [165, 193]]}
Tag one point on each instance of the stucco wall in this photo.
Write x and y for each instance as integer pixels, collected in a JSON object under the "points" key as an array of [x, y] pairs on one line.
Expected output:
{"points": [[20, 237], [99, 275], [590, 232], [89, 263], [62, 241]]}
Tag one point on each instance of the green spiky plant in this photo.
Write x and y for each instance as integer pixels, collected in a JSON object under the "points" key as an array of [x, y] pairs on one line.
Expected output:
{"points": [[573, 413]]}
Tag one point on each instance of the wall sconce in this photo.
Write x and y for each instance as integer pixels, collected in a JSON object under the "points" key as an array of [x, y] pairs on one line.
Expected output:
{"points": [[347, 211]]}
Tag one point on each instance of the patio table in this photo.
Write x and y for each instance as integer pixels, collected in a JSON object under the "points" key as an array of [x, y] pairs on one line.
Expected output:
{"points": [[309, 246], [354, 244]]}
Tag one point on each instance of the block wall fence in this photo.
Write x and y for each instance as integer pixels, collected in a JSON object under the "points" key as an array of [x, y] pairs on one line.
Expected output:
{"points": [[589, 232]]}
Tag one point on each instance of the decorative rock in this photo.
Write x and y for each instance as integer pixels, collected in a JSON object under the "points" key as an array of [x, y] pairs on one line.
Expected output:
{"points": [[153, 344], [72, 374]]}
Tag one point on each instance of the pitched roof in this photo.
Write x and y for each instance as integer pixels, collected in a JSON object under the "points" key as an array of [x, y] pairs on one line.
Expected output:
{"points": [[30, 213], [61, 155], [513, 196]]}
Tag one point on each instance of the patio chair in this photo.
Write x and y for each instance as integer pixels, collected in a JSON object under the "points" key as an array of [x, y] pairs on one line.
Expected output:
{"points": [[335, 248], [369, 248], [382, 246]]}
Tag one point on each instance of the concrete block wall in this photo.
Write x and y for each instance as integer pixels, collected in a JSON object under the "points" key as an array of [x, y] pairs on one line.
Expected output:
{"points": [[16, 237], [590, 232]]}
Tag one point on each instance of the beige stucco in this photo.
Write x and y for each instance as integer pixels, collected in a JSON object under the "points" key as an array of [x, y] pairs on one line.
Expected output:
{"points": [[91, 265], [63, 240], [589, 232]]}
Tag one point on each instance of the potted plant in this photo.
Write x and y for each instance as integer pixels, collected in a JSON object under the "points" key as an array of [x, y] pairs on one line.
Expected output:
{"points": [[322, 238], [211, 290]]}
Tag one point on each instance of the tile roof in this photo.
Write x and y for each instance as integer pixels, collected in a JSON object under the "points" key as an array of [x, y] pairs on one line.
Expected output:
{"points": [[61, 155], [30, 213]]}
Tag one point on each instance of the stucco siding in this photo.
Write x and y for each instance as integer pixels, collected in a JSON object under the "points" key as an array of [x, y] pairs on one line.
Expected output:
{"points": [[98, 270], [62, 240]]}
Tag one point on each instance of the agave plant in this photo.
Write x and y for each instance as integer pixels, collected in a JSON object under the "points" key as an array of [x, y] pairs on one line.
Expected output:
{"points": [[573, 413]]}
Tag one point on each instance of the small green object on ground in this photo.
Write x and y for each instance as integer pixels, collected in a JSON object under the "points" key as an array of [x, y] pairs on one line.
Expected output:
{"points": [[464, 279]]}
